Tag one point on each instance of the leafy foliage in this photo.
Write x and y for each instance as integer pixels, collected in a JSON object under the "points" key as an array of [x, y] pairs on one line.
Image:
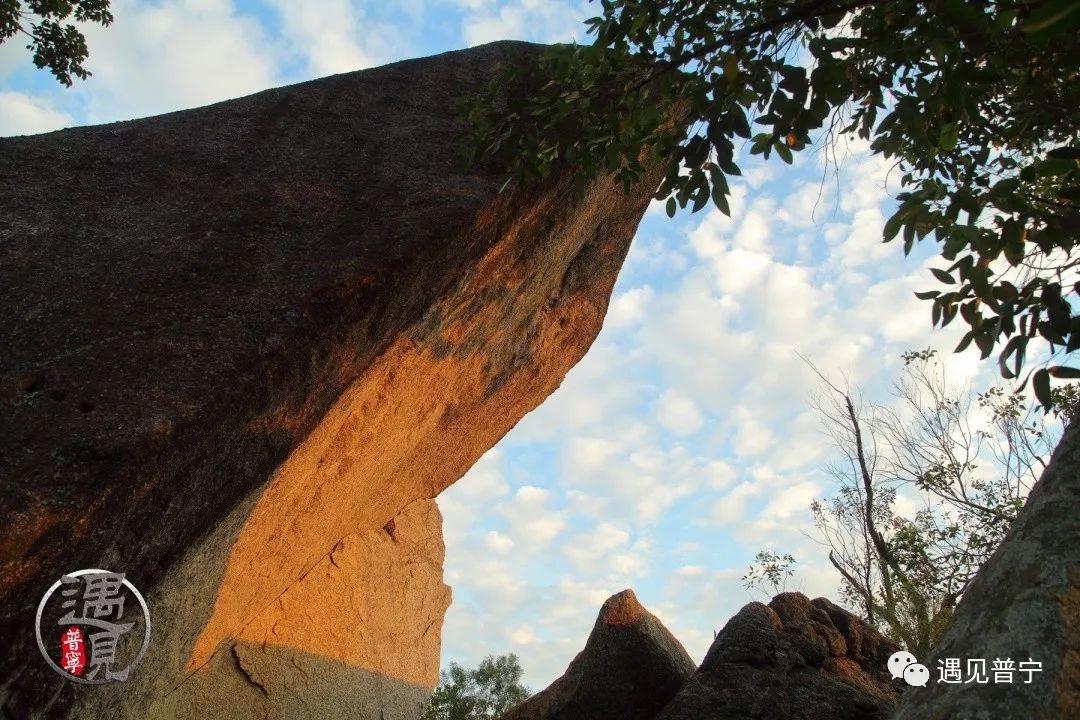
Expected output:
{"points": [[56, 43], [480, 694], [770, 573], [974, 101]]}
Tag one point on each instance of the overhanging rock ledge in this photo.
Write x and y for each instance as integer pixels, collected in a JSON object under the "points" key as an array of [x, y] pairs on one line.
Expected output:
{"points": [[244, 346]]}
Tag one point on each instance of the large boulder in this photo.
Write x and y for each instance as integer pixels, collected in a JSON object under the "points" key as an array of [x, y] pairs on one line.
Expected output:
{"points": [[356, 637], [630, 668], [240, 343], [793, 659], [1022, 608]]}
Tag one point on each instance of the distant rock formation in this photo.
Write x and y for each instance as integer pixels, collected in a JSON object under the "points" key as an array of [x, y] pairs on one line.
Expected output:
{"points": [[1023, 606], [242, 346], [630, 668], [794, 659]]}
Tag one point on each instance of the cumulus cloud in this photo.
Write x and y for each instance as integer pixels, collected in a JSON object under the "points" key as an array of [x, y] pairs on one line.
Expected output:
{"points": [[497, 542], [161, 57], [25, 114], [532, 523], [732, 507], [537, 20], [586, 548], [629, 307], [335, 36], [678, 413]]}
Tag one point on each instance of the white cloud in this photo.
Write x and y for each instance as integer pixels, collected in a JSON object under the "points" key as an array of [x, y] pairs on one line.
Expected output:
{"points": [[628, 308], [630, 564], [719, 474], [335, 36], [597, 390], [790, 503], [732, 507], [497, 542], [522, 635], [536, 20], [484, 481], [157, 58], [531, 522], [752, 437], [678, 413], [807, 204], [585, 456], [586, 548], [24, 114], [465, 503]]}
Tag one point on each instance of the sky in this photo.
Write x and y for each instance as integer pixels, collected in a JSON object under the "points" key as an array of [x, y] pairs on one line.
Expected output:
{"points": [[686, 440]]}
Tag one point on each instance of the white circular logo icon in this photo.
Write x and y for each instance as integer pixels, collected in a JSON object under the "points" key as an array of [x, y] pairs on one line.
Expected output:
{"points": [[89, 632]]}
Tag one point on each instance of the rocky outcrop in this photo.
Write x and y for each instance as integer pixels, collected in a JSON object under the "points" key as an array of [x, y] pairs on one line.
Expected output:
{"points": [[357, 636], [795, 659], [630, 667], [1023, 606], [242, 341]]}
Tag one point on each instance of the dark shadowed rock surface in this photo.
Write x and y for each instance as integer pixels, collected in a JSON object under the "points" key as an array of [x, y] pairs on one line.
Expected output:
{"points": [[793, 659], [1023, 605], [630, 667], [239, 343]]}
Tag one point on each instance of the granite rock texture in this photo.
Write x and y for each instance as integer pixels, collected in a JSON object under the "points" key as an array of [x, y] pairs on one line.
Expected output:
{"points": [[240, 339], [631, 667], [796, 659], [1024, 605]]}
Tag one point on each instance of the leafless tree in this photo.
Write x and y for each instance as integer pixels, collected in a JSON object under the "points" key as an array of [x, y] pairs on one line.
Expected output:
{"points": [[964, 461]]}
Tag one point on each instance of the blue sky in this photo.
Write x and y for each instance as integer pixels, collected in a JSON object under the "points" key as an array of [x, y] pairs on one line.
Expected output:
{"points": [[685, 441]]}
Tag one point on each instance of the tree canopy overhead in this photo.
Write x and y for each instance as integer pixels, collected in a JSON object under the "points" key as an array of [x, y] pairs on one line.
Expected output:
{"points": [[973, 101], [55, 41]]}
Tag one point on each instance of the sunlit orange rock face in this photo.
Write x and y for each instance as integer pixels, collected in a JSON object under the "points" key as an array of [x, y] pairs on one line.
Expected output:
{"points": [[356, 636], [245, 354]]}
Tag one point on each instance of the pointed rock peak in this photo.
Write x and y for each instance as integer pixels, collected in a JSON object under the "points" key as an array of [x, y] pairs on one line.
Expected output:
{"points": [[622, 609], [630, 668]]}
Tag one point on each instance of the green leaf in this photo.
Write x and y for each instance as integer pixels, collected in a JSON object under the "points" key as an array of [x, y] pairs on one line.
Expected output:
{"points": [[1072, 192], [1005, 187], [720, 200], [1052, 18], [701, 198], [892, 226], [985, 343], [1064, 153], [947, 139], [670, 207], [1012, 237], [1040, 383], [943, 276], [783, 151], [739, 124], [730, 168]]}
